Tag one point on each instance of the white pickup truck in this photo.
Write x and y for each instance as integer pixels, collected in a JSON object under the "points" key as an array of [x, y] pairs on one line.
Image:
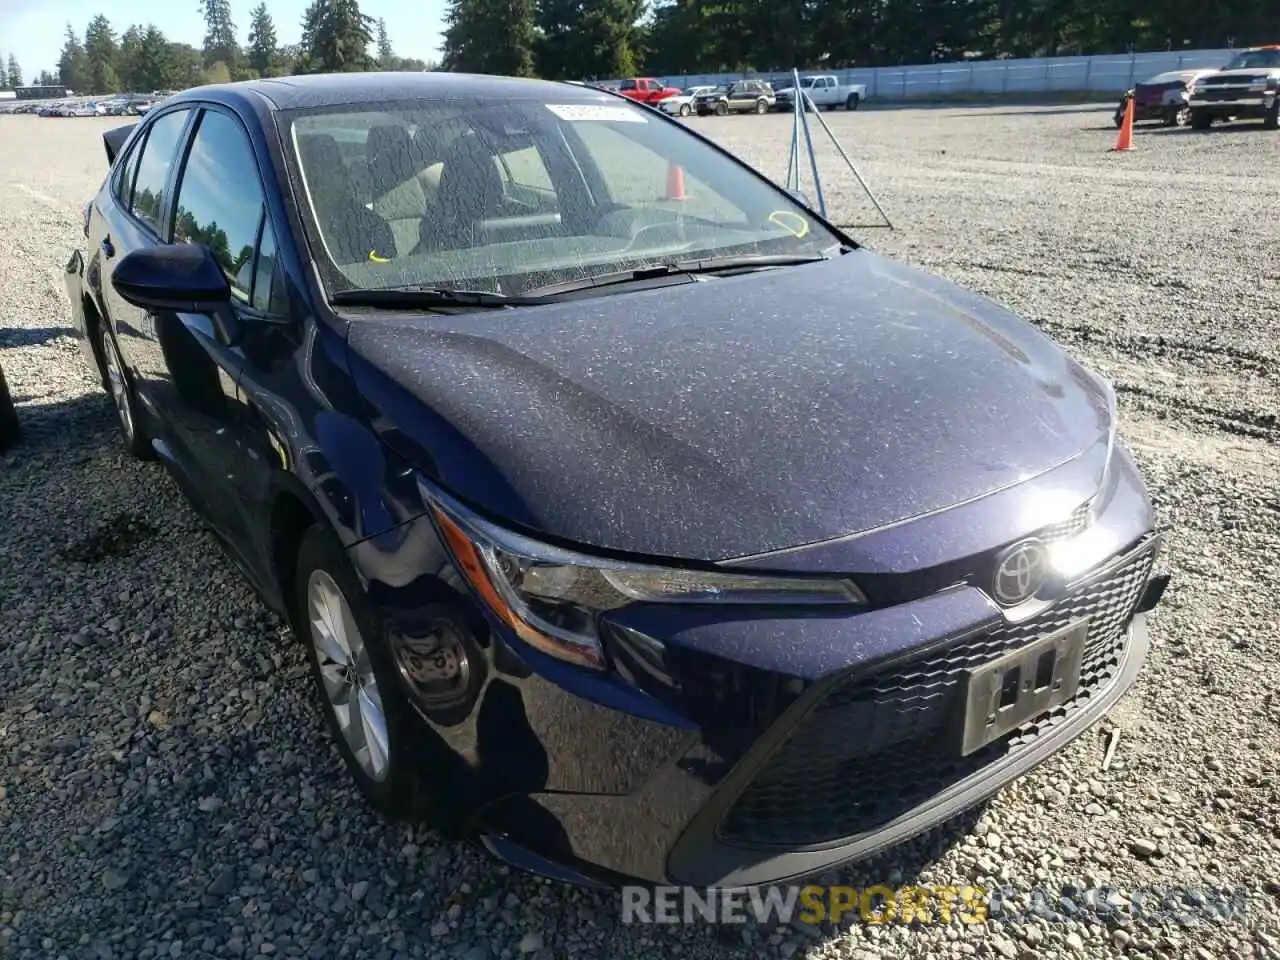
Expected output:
{"points": [[825, 91]]}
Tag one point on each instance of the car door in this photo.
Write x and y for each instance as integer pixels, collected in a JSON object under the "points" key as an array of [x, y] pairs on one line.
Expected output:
{"points": [[220, 202], [134, 217]]}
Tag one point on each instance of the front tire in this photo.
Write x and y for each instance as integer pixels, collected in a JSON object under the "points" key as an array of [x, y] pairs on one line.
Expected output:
{"points": [[722, 109], [685, 110], [123, 399], [1175, 116], [1271, 119], [762, 106], [357, 682], [1201, 119]]}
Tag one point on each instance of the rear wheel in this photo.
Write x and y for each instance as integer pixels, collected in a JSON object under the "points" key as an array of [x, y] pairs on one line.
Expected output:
{"points": [[1201, 119], [356, 678], [853, 102], [120, 388]]}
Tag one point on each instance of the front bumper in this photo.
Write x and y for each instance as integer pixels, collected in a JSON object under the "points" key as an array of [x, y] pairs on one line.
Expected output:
{"points": [[849, 769], [1247, 107]]}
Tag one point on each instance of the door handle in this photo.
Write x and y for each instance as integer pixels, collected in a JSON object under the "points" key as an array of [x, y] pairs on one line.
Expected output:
{"points": [[108, 247]]}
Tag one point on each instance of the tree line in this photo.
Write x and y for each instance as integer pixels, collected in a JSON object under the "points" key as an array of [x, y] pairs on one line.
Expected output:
{"points": [[336, 37], [604, 39]]}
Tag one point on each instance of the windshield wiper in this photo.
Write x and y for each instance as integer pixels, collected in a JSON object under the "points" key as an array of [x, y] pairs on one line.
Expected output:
{"points": [[428, 298], [673, 268]]}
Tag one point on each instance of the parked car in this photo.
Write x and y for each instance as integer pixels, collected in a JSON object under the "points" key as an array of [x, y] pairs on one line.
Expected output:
{"points": [[741, 96], [628, 528], [1249, 86], [825, 91], [1165, 97], [646, 90], [681, 104]]}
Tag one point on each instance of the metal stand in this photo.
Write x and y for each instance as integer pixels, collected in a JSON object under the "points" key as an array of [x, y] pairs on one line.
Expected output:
{"points": [[800, 128]]}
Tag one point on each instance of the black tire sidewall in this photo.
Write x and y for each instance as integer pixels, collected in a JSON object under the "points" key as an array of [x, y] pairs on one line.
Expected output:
{"points": [[139, 445], [402, 793]]}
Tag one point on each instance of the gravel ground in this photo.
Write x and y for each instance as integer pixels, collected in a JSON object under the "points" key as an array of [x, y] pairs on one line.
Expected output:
{"points": [[166, 787]]}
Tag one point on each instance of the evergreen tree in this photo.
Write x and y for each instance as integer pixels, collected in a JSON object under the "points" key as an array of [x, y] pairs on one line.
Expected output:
{"points": [[386, 56], [14, 79], [103, 52], [336, 37], [130, 58], [220, 33], [587, 38], [263, 48], [154, 68], [73, 64], [490, 36]]}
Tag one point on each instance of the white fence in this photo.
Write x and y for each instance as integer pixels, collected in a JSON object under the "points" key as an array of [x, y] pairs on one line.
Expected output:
{"points": [[1106, 73]]}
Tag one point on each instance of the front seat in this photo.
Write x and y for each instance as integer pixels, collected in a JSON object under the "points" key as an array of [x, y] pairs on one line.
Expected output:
{"points": [[397, 193], [470, 191], [352, 233]]}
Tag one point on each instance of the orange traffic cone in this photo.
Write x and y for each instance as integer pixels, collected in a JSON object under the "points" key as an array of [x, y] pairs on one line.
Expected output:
{"points": [[675, 182], [1125, 140]]}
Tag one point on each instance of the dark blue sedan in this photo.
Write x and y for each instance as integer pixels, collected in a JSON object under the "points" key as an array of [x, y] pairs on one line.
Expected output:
{"points": [[637, 521]]}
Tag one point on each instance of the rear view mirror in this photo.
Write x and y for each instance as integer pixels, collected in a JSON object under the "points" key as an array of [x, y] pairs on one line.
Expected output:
{"points": [[182, 277], [179, 278]]}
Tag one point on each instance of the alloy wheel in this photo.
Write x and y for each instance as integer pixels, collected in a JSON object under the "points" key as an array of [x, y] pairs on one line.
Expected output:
{"points": [[350, 685], [119, 387]]}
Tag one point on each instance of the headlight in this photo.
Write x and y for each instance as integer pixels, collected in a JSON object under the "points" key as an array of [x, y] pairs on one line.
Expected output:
{"points": [[551, 598]]}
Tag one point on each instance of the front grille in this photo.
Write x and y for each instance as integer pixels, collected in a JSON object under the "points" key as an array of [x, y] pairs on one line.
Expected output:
{"points": [[876, 747]]}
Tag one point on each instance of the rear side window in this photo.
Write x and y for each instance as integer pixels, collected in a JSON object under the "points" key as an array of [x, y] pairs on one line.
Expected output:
{"points": [[157, 158], [124, 180], [220, 199]]}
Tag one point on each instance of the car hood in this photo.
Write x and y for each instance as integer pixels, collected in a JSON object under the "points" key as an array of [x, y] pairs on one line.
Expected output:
{"points": [[724, 418], [1240, 75]]}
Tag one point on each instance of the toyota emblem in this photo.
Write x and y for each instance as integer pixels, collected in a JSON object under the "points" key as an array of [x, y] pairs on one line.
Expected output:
{"points": [[1020, 572]]}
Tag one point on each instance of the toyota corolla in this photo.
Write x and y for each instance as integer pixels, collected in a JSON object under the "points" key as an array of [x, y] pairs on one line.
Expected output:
{"points": [[636, 520]]}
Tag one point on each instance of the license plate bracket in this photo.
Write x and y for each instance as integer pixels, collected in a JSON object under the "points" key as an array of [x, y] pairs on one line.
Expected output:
{"points": [[1020, 685]]}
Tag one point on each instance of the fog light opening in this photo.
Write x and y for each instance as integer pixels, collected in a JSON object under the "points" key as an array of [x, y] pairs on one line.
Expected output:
{"points": [[434, 663]]}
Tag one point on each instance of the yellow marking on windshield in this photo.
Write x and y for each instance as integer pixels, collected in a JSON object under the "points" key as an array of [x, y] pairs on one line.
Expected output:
{"points": [[791, 222], [373, 255]]}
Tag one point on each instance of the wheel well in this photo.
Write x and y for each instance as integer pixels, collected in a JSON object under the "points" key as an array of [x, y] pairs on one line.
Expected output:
{"points": [[93, 330], [290, 519]]}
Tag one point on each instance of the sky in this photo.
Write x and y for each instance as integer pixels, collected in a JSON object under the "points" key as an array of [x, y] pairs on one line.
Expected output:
{"points": [[33, 30]]}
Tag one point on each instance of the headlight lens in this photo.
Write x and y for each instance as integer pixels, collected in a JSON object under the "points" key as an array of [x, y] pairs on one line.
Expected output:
{"points": [[551, 598]]}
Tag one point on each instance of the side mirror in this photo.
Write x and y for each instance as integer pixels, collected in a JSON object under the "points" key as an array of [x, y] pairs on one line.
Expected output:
{"points": [[179, 278]]}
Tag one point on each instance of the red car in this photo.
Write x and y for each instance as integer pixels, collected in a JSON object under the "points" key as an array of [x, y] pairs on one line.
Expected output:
{"points": [[1165, 97], [647, 90]]}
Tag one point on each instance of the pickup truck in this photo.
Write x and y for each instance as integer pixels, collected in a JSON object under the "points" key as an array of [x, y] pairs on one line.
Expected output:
{"points": [[646, 90], [1248, 86], [825, 91]]}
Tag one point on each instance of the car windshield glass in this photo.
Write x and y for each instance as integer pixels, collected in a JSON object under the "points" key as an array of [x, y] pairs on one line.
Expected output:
{"points": [[1251, 59], [512, 195]]}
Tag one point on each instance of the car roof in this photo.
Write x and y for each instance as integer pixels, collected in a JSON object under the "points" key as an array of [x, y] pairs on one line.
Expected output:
{"points": [[324, 89]]}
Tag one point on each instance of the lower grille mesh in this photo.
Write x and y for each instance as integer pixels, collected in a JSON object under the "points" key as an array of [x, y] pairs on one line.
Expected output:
{"points": [[874, 748]]}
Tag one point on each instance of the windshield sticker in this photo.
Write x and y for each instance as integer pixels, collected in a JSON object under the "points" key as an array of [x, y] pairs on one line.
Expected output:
{"points": [[793, 223], [591, 111]]}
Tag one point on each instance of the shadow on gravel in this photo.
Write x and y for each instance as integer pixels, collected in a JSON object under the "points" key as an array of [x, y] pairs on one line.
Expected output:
{"points": [[32, 336], [86, 417]]}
